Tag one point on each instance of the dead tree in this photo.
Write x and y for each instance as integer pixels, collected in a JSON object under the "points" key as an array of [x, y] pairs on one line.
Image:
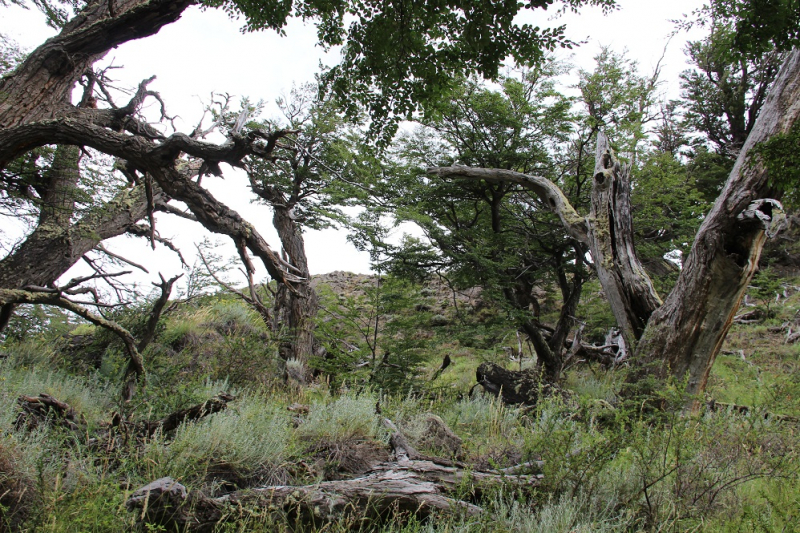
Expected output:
{"points": [[683, 336]]}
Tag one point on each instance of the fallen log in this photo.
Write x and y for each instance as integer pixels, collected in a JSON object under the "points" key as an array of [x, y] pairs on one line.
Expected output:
{"points": [[173, 420], [511, 386], [746, 410], [401, 488], [44, 409]]}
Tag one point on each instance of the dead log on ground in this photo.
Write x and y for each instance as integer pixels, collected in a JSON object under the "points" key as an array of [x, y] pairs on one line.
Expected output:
{"points": [[404, 487], [746, 410], [42, 410], [513, 387], [173, 420]]}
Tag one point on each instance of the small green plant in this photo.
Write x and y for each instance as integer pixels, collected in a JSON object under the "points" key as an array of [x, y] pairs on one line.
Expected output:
{"points": [[346, 418]]}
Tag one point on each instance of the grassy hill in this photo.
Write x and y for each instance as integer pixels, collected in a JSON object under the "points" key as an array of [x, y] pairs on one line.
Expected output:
{"points": [[599, 464]]}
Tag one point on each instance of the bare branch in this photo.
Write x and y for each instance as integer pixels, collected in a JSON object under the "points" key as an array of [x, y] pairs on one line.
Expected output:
{"points": [[120, 258], [158, 308], [550, 194], [135, 371]]}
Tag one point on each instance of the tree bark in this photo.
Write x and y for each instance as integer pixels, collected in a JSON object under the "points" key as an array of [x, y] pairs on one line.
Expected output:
{"points": [[35, 110], [295, 310], [627, 286], [513, 387], [392, 490], [58, 242], [52, 249], [41, 86]]}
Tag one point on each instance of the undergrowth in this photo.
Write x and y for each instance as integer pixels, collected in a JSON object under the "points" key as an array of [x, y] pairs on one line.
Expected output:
{"points": [[605, 466]]}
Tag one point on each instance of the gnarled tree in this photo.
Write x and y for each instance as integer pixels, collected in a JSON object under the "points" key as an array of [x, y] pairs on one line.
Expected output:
{"points": [[683, 336], [438, 40]]}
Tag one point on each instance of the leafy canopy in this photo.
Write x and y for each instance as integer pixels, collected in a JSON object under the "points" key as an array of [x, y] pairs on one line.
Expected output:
{"points": [[400, 55]]}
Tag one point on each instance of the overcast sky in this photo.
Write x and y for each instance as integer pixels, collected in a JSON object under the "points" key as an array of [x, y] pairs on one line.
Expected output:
{"points": [[205, 52]]}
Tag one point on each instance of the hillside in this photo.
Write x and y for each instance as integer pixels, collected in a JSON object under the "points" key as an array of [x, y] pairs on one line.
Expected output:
{"points": [[580, 460]]}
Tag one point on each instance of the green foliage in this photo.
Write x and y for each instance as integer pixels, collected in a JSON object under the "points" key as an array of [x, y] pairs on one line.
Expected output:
{"points": [[766, 286], [618, 100], [402, 55], [735, 65], [376, 335], [781, 158], [248, 440], [667, 210], [58, 12], [762, 24]]}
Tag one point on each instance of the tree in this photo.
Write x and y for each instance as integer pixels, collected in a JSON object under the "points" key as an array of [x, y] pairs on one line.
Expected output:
{"points": [[727, 87], [300, 186], [683, 336], [436, 41], [495, 234], [481, 234]]}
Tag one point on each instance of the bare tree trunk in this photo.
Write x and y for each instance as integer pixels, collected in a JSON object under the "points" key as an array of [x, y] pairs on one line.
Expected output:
{"points": [[685, 335], [570, 296], [626, 284]]}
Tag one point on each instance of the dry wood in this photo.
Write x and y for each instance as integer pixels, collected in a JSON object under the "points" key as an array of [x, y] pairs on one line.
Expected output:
{"points": [[173, 420], [406, 486], [44, 409], [512, 387]]}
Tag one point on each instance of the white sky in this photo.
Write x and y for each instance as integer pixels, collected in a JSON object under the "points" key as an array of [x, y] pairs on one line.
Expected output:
{"points": [[204, 52]]}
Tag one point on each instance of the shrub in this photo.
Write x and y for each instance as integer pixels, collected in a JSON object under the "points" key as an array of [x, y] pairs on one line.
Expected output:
{"points": [[248, 442], [347, 418]]}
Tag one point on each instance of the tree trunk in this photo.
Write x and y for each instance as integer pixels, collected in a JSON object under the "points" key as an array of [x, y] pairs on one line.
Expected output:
{"points": [[58, 242], [296, 309], [684, 336], [513, 387], [570, 296], [409, 486], [41, 86], [627, 286]]}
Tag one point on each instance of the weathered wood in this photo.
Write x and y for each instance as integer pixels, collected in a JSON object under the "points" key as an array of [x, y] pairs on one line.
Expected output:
{"points": [[134, 373], [627, 286], [684, 336], [607, 231], [404, 487], [511, 386], [173, 420], [44, 409]]}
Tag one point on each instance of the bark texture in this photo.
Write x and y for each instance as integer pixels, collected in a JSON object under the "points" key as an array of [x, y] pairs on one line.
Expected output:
{"points": [[513, 387], [41, 87], [610, 238], [409, 486], [295, 310]]}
